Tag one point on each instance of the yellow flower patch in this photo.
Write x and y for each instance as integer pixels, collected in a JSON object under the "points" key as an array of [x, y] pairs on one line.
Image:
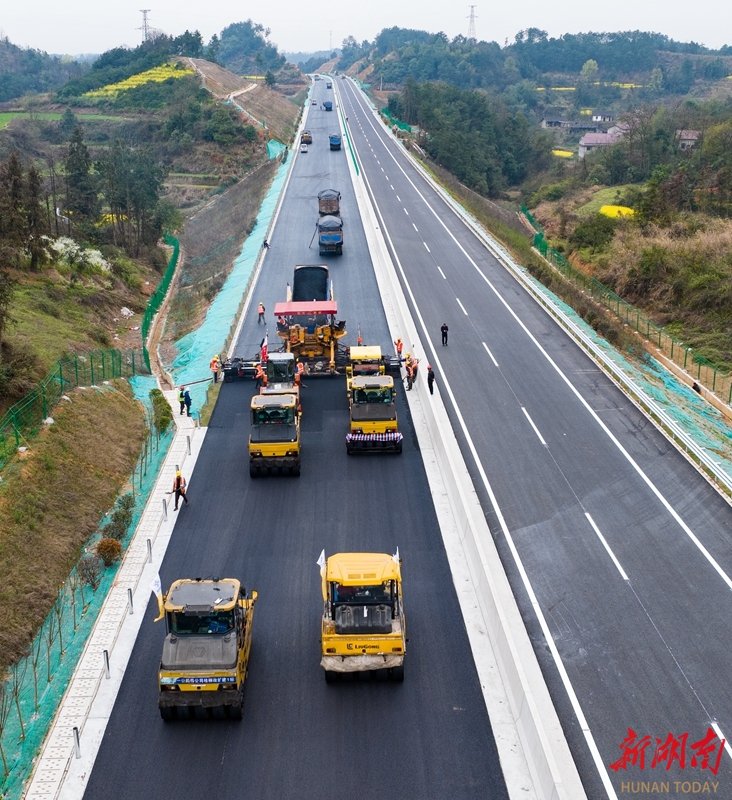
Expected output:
{"points": [[563, 153], [617, 211], [156, 75]]}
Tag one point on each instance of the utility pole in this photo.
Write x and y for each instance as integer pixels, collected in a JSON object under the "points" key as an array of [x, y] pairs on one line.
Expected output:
{"points": [[471, 24], [145, 25], [330, 41]]}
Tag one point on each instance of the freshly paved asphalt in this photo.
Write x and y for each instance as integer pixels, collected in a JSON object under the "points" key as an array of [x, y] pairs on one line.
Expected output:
{"points": [[429, 737], [652, 652]]}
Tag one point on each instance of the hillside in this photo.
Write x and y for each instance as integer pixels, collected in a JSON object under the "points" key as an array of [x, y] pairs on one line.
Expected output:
{"points": [[24, 70]]}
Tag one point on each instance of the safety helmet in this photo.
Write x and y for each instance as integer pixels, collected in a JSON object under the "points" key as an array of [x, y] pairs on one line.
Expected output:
{"points": [[177, 474], [429, 366], [182, 387], [409, 355]]}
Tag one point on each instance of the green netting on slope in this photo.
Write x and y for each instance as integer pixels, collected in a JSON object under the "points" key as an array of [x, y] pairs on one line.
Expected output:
{"points": [[40, 680], [698, 418], [274, 148], [196, 349]]}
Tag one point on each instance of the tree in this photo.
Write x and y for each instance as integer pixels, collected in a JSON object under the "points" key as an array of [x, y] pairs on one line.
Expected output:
{"points": [[269, 78], [589, 71], [81, 193], [35, 222], [212, 51]]}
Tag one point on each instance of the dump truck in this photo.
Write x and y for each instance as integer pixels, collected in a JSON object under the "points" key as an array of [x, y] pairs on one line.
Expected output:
{"points": [[274, 437], [206, 649], [329, 203], [306, 137], [330, 235], [328, 105], [335, 141], [328, 85], [363, 628]]}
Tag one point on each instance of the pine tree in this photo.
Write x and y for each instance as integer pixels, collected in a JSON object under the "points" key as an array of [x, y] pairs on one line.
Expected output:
{"points": [[81, 193]]}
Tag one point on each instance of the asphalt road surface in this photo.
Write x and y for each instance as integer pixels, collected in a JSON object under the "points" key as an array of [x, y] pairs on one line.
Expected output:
{"points": [[429, 737], [626, 548]]}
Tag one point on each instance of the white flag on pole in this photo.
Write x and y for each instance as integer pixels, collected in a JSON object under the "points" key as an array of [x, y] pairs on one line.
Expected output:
{"points": [[395, 557], [321, 559], [157, 589]]}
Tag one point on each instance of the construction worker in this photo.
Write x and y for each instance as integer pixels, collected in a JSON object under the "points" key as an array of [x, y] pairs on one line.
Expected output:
{"points": [[443, 331], [430, 378], [399, 347], [187, 401], [415, 368], [410, 374], [299, 372], [182, 399], [260, 312], [179, 489], [260, 376], [214, 366]]}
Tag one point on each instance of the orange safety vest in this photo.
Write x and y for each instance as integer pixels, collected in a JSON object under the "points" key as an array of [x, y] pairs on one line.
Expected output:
{"points": [[214, 364], [399, 346], [260, 310]]}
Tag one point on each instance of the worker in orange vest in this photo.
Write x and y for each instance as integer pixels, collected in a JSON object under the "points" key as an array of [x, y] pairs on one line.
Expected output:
{"points": [[260, 376], [399, 346], [410, 372], [260, 313], [215, 367], [299, 372], [179, 489]]}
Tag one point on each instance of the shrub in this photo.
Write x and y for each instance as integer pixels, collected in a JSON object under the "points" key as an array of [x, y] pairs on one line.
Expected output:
{"points": [[127, 501], [596, 232], [161, 411], [110, 551], [90, 570]]}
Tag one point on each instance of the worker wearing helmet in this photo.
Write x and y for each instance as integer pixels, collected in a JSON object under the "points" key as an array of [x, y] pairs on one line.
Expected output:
{"points": [[260, 376], [410, 373], [179, 489], [260, 312], [182, 399], [214, 367], [399, 347], [430, 378]]}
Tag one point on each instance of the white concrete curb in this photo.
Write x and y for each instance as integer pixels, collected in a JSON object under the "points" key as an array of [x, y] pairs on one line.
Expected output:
{"points": [[88, 701], [534, 754]]}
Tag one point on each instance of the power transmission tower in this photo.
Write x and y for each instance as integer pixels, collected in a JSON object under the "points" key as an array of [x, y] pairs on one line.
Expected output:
{"points": [[471, 24], [145, 28]]}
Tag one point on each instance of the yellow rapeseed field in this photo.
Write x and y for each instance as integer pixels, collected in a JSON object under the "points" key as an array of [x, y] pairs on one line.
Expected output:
{"points": [[617, 211], [156, 75], [563, 153]]}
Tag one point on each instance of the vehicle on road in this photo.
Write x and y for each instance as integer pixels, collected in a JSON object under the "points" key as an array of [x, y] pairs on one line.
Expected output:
{"points": [[306, 137], [374, 426], [280, 371], [274, 437], [206, 650], [315, 102], [363, 628], [328, 105], [328, 85], [335, 141], [329, 202], [330, 235], [303, 148]]}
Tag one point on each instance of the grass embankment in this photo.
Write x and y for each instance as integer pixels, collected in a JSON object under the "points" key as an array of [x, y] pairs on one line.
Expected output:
{"points": [[52, 500]]}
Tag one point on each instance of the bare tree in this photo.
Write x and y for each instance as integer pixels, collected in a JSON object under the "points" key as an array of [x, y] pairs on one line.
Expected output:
{"points": [[17, 682], [6, 702], [49, 634]]}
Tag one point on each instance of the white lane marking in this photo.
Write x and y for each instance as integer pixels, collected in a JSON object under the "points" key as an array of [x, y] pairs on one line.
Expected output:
{"points": [[654, 489], [488, 351], [533, 599], [425, 244], [723, 738], [400, 200], [415, 227], [607, 547], [377, 161], [391, 187], [406, 212], [461, 306], [531, 422], [442, 273], [382, 169]]}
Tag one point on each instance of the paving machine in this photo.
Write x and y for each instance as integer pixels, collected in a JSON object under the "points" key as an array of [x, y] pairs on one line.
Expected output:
{"points": [[274, 438], [206, 649], [363, 628]]}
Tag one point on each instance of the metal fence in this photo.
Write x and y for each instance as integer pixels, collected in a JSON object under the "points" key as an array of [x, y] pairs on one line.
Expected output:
{"points": [[705, 372], [25, 418], [394, 121], [158, 296]]}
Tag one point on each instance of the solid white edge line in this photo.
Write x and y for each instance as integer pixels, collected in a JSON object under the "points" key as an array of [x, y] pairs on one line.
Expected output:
{"points": [[536, 430], [462, 306], [488, 351], [442, 273], [564, 676], [723, 738], [607, 547]]}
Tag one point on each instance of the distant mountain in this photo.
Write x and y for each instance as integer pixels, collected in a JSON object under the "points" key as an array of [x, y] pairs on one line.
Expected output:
{"points": [[25, 70], [319, 55]]}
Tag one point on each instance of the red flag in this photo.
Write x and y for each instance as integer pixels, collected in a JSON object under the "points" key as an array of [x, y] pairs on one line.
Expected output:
{"points": [[263, 351]]}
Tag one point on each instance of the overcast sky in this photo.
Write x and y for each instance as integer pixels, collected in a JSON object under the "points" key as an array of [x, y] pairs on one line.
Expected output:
{"points": [[90, 26]]}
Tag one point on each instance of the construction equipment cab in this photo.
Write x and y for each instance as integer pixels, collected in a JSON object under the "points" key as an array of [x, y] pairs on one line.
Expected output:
{"points": [[281, 375], [306, 137], [363, 361], [206, 649], [374, 424], [363, 626], [274, 439]]}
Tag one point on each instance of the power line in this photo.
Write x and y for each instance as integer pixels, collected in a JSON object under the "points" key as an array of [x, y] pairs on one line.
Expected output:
{"points": [[145, 28], [471, 24]]}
